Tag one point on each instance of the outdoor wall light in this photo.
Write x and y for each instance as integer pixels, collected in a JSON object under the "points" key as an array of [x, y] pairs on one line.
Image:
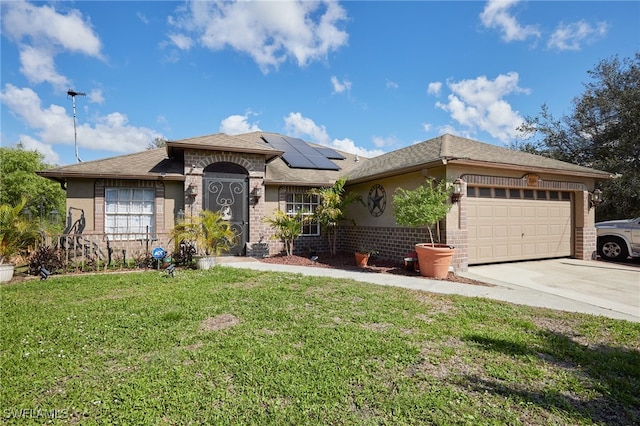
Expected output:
{"points": [[456, 192], [256, 193], [54, 216], [192, 190], [595, 198]]}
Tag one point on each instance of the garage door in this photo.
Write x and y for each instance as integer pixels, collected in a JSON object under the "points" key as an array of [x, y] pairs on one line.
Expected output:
{"points": [[517, 224]]}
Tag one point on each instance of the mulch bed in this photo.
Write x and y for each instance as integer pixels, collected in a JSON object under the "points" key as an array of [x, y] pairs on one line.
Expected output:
{"points": [[346, 261]]}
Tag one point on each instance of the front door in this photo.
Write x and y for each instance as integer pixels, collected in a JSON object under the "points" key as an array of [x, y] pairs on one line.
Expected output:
{"points": [[227, 193]]}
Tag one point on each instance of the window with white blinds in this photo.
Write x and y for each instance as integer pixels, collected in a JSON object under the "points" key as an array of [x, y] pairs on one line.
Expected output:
{"points": [[129, 213]]}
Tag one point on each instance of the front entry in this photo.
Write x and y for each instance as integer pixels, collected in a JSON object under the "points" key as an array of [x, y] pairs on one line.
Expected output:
{"points": [[226, 191]]}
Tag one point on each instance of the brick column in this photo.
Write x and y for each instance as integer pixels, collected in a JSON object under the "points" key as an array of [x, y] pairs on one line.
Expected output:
{"points": [[585, 231], [456, 231]]}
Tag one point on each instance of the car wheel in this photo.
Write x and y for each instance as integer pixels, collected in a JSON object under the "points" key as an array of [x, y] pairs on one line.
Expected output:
{"points": [[612, 248]]}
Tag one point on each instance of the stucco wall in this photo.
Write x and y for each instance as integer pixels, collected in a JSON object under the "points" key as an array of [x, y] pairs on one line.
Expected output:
{"points": [[360, 213], [174, 201], [80, 197]]}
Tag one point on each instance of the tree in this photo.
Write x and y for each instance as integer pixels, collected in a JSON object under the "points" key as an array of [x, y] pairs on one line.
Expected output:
{"points": [[422, 207], [16, 233], [287, 228], [18, 179], [602, 132], [331, 211], [157, 143]]}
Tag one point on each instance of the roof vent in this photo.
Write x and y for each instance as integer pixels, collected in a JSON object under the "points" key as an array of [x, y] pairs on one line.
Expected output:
{"points": [[357, 158]]}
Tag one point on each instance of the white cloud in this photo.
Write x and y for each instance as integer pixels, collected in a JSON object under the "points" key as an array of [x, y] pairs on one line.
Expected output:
{"points": [[392, 85], [426, 127], [381, 141], [299, 126], [31, 144], [95, 96], [347, 145], [38, 66], [238, 124], [339, 87], [572, 36], [496, 14], [183, 42], [434, 88], [479, 105], [41, 33], [53, 126], [143, 18], [269, 32]]}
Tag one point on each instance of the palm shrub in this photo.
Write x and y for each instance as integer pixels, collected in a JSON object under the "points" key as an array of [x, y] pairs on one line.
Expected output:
{"points": [[422, 207], [16, 233], [211, 234], [331, 211], [287, 228]]}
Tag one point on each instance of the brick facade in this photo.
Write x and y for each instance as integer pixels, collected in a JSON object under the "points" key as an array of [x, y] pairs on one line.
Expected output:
{"points": [[585, 235], [392, 243]]}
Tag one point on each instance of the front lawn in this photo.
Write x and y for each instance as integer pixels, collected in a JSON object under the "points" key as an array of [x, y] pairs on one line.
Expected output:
{"points": [[232, 346]]}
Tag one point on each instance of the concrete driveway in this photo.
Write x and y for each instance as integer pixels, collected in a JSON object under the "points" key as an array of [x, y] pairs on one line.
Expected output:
{"points": [[570, 284]]}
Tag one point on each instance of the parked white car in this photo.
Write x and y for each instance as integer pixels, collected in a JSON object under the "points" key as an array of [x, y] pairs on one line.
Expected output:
{"points": [[619, 239]]}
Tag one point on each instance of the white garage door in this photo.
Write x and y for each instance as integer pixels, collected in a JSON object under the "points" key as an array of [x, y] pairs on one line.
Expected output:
{"points": [[517, 224]]}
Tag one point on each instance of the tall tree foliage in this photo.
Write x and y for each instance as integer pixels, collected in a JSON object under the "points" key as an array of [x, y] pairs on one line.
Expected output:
{"points": [[602, 132], [331, 211], [18, 179], [157, 143]]}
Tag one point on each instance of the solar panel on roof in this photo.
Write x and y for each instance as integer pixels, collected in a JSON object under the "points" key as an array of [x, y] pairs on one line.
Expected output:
{"points": [[277, 142], [322, 162], [298, 160], [299, 154], [330, 153], [317, 158]]}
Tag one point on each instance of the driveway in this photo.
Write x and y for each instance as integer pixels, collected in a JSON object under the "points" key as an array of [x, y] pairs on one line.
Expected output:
{"points": [[576, 284]]}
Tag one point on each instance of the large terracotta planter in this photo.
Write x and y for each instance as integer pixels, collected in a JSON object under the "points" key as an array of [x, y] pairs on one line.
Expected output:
{"points": [[434, 260], [362, 259], [6, 272]]}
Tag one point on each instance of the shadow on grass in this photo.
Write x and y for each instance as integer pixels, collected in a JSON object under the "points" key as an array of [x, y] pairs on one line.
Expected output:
{"points": [[609, 377]]}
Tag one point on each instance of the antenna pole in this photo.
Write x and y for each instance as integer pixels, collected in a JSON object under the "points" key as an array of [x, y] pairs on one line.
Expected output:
{"points": [[73, 95]]}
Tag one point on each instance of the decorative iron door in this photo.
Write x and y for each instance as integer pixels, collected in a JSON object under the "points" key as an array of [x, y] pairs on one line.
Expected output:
{"points": [[228, 195]]}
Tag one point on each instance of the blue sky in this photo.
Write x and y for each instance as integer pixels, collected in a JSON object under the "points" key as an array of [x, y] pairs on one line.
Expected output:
{"points": [[364, 77]]}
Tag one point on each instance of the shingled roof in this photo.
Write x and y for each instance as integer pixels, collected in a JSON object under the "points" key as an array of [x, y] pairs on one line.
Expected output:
{"points": [[150, 164], [166, 163], [224, 142], [161, 163], [454, 149]]}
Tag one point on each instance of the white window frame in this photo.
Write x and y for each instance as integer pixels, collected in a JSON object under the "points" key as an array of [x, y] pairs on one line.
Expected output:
{"points": [[128, 211], [307, 204]]}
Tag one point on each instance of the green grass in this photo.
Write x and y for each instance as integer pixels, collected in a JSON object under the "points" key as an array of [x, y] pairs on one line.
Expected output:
{"points": [[232, 346]]}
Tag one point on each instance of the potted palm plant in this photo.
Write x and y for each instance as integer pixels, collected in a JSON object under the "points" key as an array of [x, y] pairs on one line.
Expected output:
{"points": [[425, 206], [16, 235], [210, 234]]}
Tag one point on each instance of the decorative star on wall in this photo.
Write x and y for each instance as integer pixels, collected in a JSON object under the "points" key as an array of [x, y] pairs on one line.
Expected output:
{"points": [[377, 200]]}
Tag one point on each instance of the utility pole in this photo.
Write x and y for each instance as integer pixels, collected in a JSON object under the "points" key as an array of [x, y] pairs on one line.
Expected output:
{"points": [[73, 95]]}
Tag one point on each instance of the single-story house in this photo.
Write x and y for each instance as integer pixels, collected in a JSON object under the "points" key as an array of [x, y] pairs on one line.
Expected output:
{"points": [[511, 205]]}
